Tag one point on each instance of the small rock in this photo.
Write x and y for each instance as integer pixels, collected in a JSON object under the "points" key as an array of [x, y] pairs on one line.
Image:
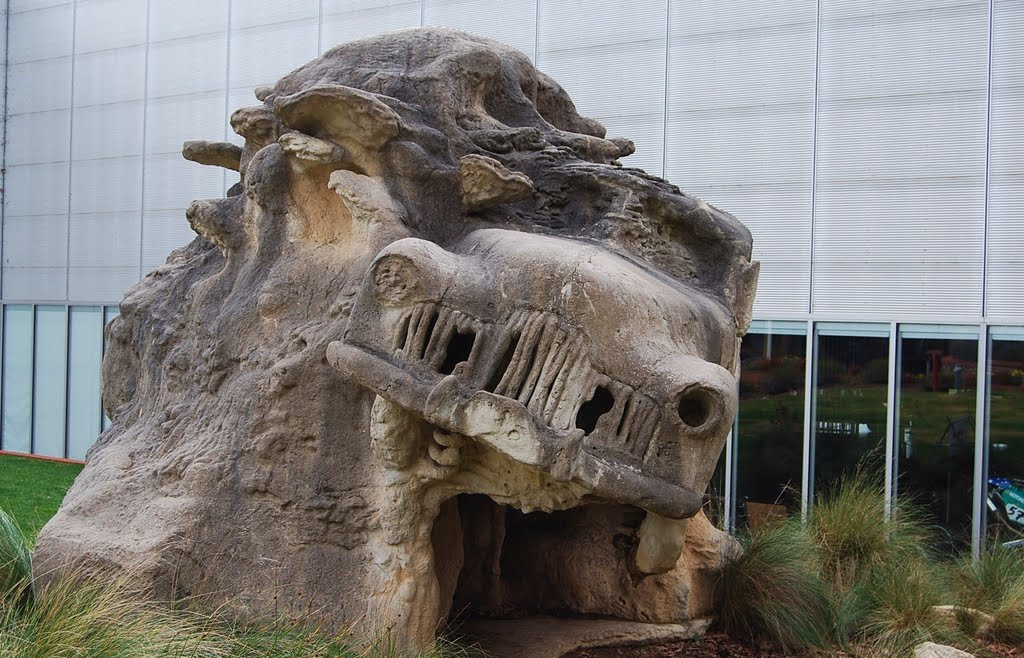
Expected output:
{"points": [[932, 650]]}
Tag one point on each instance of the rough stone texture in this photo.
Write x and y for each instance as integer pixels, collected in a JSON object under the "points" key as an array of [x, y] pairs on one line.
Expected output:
{"points": [[438, 353], [932, 650], [544, 637]]}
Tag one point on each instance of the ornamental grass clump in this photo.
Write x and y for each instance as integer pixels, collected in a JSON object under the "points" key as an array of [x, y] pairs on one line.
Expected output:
{"points": [[15, 563], [891, 608], [773, 590], [103, 616], [849, 527], [994, 585]]}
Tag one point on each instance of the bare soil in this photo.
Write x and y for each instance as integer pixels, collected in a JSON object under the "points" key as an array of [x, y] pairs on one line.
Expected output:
{"points": [[719, 645]]}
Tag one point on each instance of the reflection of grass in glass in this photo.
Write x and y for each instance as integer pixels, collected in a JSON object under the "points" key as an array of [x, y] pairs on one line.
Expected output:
{"points": [[1006, 428], [769, 448], [931, 412], [860, 404]]}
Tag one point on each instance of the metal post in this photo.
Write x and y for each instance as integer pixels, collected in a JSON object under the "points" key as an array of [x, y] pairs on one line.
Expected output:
{"points": [[891, 419], [981, 442], [807, 471]]}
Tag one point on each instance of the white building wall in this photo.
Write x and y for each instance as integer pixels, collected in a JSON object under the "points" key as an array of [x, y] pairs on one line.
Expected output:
{"points": [[867, 145], [1005, 276]]}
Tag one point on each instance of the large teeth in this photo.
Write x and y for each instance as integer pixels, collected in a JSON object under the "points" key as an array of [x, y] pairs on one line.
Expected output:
{"points": [[660, 544]]}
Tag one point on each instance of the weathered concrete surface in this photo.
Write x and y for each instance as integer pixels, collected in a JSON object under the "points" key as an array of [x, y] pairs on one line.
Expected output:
{"points": [[437, 352]]}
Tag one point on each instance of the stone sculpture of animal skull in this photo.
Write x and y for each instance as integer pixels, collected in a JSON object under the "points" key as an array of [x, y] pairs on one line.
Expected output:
{"points": [[437, 353]]}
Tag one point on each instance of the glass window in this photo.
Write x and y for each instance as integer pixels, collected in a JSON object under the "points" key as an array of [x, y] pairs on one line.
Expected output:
{"points": [[938, 377], [851, 390], [1005, 496], [109, 313], [86, 343], [50, 372], [769, 434], [17, 378], [714, 498]]}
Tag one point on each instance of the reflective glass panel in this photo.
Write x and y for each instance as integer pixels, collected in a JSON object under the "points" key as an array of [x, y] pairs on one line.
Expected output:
{"points": [[1005, 499], [851, 390], [109, 313], [714, 498], [86, 343], [17, 366], [51, 368], [769, 441], [938, 379]]}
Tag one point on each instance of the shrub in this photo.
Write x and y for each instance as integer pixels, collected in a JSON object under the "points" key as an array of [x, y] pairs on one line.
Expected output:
{"points": [[773, 591]]}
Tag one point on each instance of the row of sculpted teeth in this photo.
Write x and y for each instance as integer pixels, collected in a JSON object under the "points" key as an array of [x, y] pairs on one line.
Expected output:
{"points": [[542, 364]]}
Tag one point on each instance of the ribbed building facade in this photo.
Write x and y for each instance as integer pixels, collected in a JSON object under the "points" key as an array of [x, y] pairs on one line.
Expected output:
{"points": [[873, 148]]}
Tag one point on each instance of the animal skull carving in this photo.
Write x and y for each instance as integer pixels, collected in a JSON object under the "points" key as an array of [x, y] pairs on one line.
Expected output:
{"points": [[435, 304]]}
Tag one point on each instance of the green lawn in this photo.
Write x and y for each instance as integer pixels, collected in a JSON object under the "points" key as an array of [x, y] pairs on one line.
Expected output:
{"points": [[31, 490]]}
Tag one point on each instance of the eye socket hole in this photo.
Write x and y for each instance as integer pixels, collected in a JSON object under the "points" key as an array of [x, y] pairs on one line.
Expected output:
{"points": [[694, 408], [460, 347], [592, 410]]}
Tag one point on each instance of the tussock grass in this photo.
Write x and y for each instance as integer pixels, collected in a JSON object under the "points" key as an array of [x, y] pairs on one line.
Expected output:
{"points": [[848, 525], [15, 564], [995, 585], [104, 617], [773, 591], [891, 608], [849, 579]]}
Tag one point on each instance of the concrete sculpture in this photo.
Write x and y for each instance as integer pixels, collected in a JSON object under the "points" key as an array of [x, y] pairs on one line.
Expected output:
{"points": [[437, 353]]}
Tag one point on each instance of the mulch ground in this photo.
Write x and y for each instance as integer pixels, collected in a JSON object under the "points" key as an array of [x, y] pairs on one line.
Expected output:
{"points": [[719, 645]]}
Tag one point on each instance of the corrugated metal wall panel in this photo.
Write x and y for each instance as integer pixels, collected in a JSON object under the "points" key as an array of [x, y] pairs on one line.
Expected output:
{"points": [[106, 185], [31, 5], [99, 284], [901, 159], [173, 182], [174, 19], [250, 13], [237, 97], [777, 215], [741, 129], [1005, 294], [512, 23], [104, 239], [38, 241], [163, 232], [110, 76], [188, 65], [172, 120], [39, 86], [345, 20], [108, 24], [40, 189], [40, 34], [107, 131], [38, 137], [611, 59], [261, 55], [38, 284]]}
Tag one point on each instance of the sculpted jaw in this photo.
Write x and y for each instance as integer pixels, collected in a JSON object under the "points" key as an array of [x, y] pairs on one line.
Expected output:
{"points": [[541, 386]]}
